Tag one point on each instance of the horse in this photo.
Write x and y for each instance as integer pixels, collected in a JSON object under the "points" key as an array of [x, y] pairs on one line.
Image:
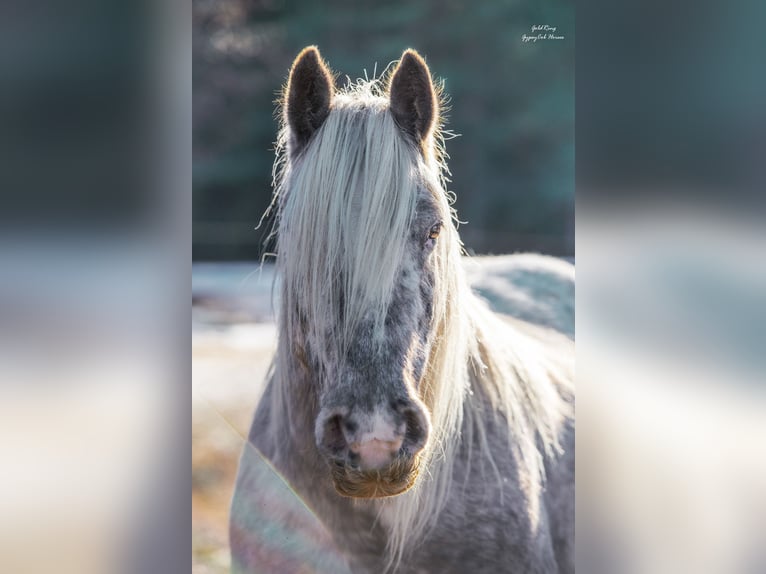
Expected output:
{"points": [[425, 432]]}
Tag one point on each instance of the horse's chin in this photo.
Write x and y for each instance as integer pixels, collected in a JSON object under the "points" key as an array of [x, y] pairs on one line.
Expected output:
{"points": [[395, 479]]}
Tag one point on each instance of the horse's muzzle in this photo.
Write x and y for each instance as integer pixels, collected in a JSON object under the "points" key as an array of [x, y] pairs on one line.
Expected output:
{"points": [[373, 452]]}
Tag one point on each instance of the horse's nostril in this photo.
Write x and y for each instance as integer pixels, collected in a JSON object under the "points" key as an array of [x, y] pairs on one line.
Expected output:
{"points": [[416, 433], [331, 437]]}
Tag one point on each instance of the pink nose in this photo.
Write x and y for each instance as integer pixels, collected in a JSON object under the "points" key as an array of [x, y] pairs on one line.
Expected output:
{"points": [[375, 453]]}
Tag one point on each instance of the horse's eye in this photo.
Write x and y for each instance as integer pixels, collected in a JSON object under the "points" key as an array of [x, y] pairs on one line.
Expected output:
{"points": [[434, 233]]}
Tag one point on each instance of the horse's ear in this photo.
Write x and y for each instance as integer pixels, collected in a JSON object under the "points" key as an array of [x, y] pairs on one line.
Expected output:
{"points": [[413, 101], [309, 94]]}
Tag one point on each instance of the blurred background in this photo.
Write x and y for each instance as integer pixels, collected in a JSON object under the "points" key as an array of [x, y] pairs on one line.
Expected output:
{"points": [[95, 204], [512, 104]]}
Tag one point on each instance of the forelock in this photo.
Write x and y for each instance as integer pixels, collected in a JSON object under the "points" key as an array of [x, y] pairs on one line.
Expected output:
{"points": [[347, 206]]}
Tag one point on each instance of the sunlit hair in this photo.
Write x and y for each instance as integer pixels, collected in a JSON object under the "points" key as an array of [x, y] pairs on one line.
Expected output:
{"points": [[345, 205]]}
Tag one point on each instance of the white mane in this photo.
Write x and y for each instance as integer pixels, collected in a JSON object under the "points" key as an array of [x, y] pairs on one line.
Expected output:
{"points": [[476, 357]]}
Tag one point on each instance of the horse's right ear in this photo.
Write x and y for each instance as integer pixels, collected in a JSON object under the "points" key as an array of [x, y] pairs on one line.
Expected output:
{"points": [[309, 94], [413, 100]]}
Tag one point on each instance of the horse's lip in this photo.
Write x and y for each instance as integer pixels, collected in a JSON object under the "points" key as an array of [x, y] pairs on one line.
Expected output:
{"points": [[390, 490], [351, 481]]}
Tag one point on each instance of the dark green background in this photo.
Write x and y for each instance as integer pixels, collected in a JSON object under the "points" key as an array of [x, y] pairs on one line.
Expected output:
{"points": [[512, 104]]}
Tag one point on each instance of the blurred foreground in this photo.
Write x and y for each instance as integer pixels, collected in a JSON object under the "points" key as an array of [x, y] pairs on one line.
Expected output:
{"points": [[671, 400]]}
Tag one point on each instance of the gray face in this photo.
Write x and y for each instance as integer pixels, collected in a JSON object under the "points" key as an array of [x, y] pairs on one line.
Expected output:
{"points": [[372, 424]]}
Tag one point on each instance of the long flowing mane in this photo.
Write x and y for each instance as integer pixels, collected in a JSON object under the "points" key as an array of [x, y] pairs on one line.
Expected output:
{"points": [[326, 244]]}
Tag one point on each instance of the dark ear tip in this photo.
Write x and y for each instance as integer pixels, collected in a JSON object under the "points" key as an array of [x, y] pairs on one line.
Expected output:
{"points": [[410, 57], [309, 63], [309, 59], [413, 63], [309, 55]]}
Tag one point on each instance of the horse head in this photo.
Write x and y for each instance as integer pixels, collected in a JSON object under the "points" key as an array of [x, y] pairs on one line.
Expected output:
{"points": [[359, 240]]}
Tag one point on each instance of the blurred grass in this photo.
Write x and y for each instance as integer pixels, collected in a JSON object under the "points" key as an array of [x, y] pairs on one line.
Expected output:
{"points": [[227, 381]]}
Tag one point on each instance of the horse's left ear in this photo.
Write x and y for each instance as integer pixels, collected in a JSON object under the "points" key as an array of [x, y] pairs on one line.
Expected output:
{"points": [[413, 101]]}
